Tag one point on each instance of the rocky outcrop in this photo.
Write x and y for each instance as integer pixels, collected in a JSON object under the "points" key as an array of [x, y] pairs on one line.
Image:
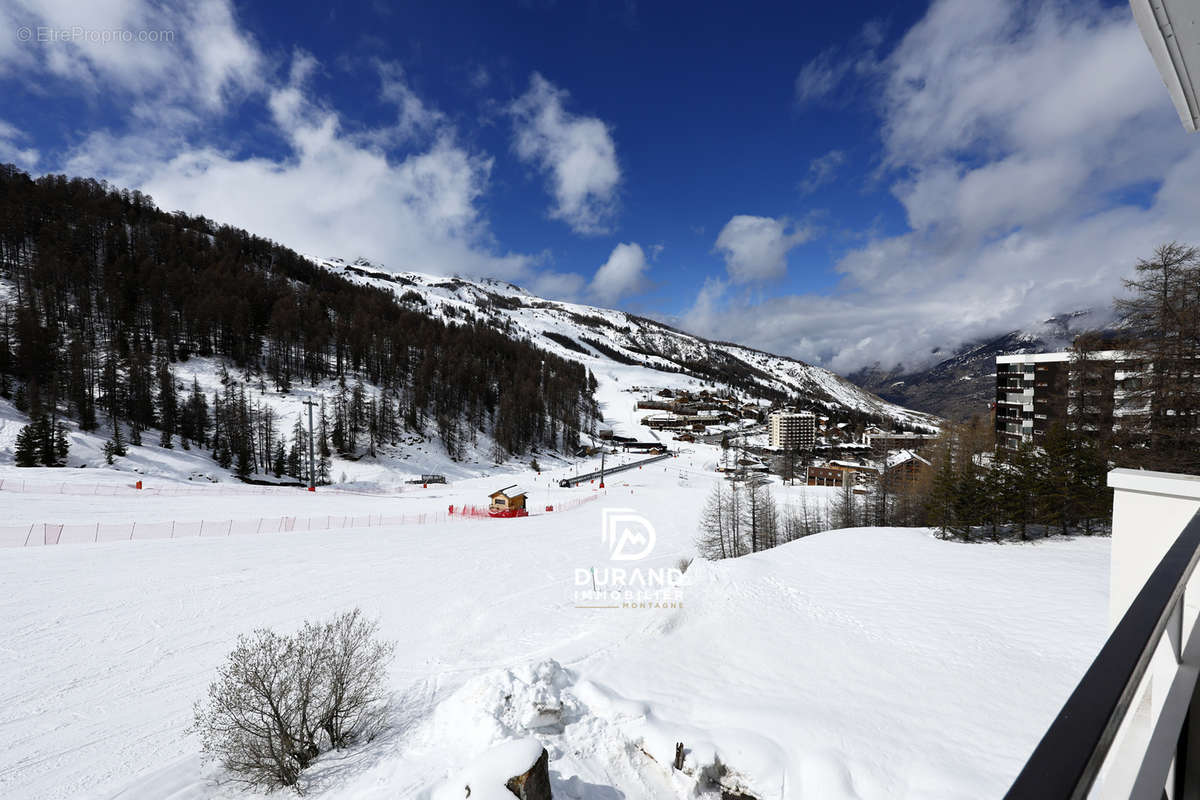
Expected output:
{"points": [[533, 784]]}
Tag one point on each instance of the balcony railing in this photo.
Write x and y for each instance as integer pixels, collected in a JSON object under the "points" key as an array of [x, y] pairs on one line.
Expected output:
{"points": [[1131, 728]]}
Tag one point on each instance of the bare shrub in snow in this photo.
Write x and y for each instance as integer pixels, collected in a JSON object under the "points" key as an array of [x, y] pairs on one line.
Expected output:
{"points": [[253, 720], [278, 701], [353, 679]]}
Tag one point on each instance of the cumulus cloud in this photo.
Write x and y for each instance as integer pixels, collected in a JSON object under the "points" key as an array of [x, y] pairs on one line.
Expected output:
{"points": [[191, 52], [623, 273], [1035, 155], [13, 149], [756, 248], [407, 194], [333, 195], [576, 153]]}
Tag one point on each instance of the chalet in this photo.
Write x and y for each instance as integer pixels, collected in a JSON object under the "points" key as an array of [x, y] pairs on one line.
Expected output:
{"points": [[741, 465], [837, 473], [905, 467], [825, 476], [507, 502]]}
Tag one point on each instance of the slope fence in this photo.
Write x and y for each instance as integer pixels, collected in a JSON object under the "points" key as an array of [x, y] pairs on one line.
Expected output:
{"points": [[47, 533], [53, 533], [482, 511], [117, 489]]}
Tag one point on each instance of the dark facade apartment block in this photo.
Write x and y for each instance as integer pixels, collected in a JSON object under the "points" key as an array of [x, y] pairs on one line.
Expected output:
{"points": [[1036, 390]]}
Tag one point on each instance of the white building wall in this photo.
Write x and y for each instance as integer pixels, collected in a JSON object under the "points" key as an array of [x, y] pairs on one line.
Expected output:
{"points": [[1150, 510]]}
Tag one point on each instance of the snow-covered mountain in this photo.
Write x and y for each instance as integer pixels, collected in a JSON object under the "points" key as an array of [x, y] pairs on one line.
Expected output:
{"points": [[591, 334], [963, 384]]}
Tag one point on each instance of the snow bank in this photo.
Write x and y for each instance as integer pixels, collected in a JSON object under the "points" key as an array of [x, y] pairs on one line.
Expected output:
{"points": [[508, 704], [486, 777]]}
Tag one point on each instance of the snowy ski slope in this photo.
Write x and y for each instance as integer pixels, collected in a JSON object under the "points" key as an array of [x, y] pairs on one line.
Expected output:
{"points": [[868, 663]]}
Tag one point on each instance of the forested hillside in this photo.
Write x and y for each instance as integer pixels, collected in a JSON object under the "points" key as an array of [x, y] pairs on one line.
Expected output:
{"points": [[103, 296], [602, 337]]}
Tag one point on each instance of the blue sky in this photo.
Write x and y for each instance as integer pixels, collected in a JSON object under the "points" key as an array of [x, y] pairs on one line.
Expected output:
{"points": [[847, 185]]}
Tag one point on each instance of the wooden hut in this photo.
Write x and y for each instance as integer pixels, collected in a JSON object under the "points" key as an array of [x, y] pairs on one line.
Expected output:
{"points": [[507, 502]]}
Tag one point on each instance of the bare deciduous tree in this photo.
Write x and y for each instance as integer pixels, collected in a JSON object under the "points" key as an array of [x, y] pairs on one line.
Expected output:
{"points": [[846, 511], [759, 517], [714, 542], [354, 675], [252, 721], [279, 699]]}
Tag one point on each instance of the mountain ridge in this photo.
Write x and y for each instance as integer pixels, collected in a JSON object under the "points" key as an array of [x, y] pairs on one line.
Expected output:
{"points": [[575, 330], [963, 384]]}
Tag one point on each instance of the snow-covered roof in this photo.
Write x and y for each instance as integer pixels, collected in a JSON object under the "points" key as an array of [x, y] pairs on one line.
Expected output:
{"points": [[902, 457], [508, 491], [849, 464]]}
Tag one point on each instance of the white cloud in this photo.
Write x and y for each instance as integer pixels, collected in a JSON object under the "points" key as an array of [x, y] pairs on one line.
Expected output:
{"points": [[557, 285], [576, 152], [12, 150], [480, 78], [818, 78], [190, 52], [822, 170], [332, 195], [623, 273], [1036, 156], [413, 117], [756, 248], [824, 78], [407, 194]]}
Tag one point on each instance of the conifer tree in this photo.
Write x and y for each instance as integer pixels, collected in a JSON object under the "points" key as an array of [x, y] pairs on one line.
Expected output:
{"points": [[116, 442], [279, 463], [168, 404], [27, 451], [46, 444], [1056, 486], [62, 444]]}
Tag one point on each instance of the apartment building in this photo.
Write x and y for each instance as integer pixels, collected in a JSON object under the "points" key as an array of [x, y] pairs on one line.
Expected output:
{"points": [[1036, 390], [792, 430], [889, 440]]}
